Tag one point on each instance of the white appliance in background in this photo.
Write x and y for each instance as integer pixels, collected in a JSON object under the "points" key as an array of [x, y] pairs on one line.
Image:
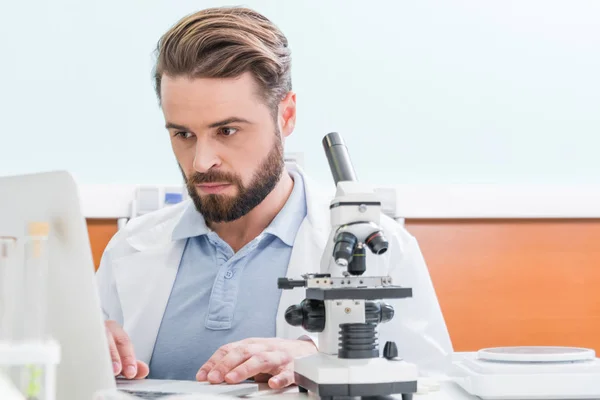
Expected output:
{"points": [[528, 373], [390, 203], [152, 198], [149, 198]]}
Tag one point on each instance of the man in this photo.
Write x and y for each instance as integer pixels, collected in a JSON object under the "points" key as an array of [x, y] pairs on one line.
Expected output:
{"points": [[190, 291]]}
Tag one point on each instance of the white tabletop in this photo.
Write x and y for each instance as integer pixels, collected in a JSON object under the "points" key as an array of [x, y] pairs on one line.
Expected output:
{"points": [[446, 391]]}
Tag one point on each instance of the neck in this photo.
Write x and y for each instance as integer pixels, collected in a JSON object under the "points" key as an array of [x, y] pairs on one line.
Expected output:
{"points": [[240, 232]]}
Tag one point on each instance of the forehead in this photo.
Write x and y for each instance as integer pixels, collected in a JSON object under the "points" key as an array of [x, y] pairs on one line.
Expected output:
{"points": [[185, 99]]}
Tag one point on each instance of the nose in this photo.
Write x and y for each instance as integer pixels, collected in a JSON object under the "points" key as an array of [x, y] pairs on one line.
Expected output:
{"points": [[206, 156]]}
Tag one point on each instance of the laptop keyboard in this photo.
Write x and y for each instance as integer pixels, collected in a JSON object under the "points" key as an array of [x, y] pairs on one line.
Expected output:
{"points": [[148, 395]]}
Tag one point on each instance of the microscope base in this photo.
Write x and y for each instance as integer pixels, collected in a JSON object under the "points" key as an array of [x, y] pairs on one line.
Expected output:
{"points": [[329, 376]]}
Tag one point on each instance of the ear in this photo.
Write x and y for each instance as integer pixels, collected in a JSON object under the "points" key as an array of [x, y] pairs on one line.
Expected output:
{"points": [[287, 114]]}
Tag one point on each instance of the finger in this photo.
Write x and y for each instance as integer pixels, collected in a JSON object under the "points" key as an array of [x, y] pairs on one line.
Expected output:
{"points": [[264, 362], [125, 348], [142, 370], [282, 380], [114, 353], [202, 374], [262, 378], [235, 357]]}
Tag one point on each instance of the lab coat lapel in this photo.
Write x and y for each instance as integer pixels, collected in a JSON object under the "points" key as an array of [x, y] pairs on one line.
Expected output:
{"points": [[144, 281], [306, 253], [304, 259]]}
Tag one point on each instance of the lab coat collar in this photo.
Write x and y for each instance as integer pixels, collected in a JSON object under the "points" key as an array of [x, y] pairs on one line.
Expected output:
{"points": [[159, 233], [286, 223], [317, 202], [191, 224]]}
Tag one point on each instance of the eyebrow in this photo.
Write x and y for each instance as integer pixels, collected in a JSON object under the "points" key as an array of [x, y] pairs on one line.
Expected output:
{"points": [[171, 125], [227, 121]]}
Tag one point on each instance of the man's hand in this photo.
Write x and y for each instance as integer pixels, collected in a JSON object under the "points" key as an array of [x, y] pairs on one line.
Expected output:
{"points": [[122, 355], [256, 358]]}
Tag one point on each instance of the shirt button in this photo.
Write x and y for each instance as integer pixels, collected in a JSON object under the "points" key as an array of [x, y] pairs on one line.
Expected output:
{"points": [[228, 275]]}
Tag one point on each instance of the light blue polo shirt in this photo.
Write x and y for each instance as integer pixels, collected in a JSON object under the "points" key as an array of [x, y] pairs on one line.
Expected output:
{"points": [[220, 296]]}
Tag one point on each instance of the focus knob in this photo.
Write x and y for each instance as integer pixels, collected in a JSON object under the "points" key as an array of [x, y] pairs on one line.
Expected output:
{"points": [[378, 312], [294, 315], [310, 314], [390, 351], [387, 312]]}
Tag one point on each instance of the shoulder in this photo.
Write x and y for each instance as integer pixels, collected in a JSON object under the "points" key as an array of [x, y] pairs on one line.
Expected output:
{"points": [[397, 230], [169, 215], [404, 260]]}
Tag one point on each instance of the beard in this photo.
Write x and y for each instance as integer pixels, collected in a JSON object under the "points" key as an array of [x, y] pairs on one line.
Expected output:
{"points": [[225, 208]]}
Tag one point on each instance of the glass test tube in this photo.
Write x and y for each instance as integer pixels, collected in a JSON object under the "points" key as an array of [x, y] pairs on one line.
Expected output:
{"points": [[35, 305], [8, 278], [36, 272]]}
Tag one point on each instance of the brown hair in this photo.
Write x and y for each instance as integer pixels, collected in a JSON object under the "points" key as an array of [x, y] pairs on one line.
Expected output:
{"points": [[225, 42]]}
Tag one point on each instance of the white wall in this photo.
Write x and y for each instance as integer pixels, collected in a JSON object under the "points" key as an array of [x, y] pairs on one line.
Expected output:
{"points": [[423, 91]]}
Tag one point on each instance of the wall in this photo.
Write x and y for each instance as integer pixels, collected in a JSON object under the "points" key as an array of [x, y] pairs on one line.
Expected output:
{"points": [[515, 282], [424, 91]]}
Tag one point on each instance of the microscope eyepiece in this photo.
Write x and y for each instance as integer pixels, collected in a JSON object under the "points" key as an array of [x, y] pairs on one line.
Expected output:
{"points": [[377, 242], [338, 158]]}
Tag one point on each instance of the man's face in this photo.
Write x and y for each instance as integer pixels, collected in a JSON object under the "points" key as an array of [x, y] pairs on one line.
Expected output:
{"points": [[226, 141]]}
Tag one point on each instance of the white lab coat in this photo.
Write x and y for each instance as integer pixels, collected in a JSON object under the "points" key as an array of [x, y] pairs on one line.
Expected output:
{"points": [[139, 266]]}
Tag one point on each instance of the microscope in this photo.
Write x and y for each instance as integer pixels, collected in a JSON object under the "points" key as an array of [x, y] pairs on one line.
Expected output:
{"points": [[343, 301]]}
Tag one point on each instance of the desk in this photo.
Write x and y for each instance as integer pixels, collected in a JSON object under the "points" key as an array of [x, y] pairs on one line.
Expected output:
{"points": [[448, 391]]}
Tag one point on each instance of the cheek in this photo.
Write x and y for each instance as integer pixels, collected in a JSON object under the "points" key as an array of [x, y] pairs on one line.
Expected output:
{"points": [[244, 164], [247, 161], [184, 155]]}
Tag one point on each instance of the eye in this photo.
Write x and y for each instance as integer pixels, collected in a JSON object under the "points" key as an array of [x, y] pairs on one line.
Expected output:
{"points": [[184, 135], [226, 131]]}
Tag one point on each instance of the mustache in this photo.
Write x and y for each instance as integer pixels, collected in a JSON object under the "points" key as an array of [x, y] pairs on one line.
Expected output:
{"points": [[211, 177]]}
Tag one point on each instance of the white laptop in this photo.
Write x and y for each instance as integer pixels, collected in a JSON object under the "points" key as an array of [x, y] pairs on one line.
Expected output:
{"points": [[74, 313]]}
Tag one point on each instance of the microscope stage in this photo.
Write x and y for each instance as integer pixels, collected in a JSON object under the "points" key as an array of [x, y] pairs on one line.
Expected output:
{"points": [[512, 373]]}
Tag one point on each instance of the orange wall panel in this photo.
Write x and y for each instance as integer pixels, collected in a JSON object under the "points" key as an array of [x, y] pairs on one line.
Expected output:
{"points": [[100, 232], [515, 282]]}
